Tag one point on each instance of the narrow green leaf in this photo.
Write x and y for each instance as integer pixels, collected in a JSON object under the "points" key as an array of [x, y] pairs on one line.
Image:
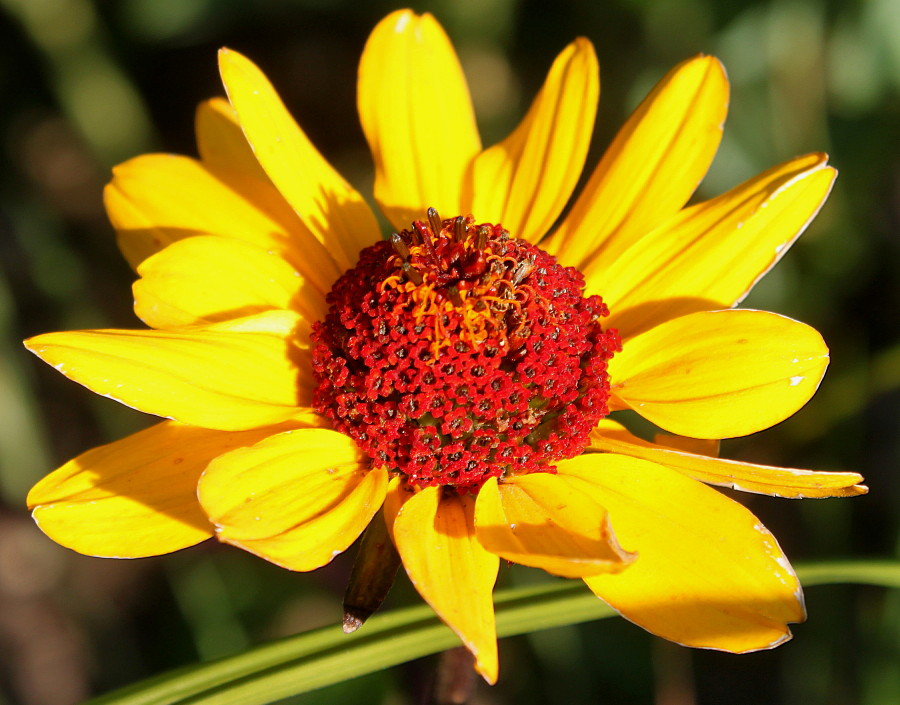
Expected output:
{"points": [[883, 573], [326, 656]]}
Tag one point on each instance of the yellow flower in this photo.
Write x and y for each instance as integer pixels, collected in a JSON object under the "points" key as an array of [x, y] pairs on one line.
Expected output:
{"points": [[286, 436]]}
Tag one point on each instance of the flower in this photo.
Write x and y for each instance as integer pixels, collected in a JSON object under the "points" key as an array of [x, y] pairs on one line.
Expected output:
{"points": [[461, 373]]}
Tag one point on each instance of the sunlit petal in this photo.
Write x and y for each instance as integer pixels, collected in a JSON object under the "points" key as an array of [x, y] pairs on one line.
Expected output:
{"points": [[525, 181], [228, 376], [719, 374], [332, 209], [205, 279], [156, 199], [417, 116], [545, 521], [708, 574], [652, 167], [611, 437], [710, 255], [135, 497], [297, 499], [436, 539]]}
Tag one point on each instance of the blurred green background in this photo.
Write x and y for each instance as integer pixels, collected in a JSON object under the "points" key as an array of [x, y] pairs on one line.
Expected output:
{"points": [[85, 84]]}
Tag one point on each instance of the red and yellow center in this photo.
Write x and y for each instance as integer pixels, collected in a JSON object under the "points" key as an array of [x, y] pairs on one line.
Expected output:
{"points": [[455, 353]]}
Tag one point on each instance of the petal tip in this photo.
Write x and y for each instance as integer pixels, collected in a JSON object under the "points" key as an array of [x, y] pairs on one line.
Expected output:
{"points": [[711, 65], [488, 671], [400, 19], [37, 345], [226, 54], [584, 44], [230, 59], [33, 501]]}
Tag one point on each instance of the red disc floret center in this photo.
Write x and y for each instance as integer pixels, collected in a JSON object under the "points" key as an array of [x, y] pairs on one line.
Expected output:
{"points": [[455, 353]]}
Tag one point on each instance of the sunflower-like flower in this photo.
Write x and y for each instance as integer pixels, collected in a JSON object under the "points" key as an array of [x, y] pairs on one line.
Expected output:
{"points": [[458, 376]]}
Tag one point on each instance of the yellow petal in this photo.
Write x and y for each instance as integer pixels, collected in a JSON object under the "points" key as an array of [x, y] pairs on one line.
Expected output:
{"points": [[720, 374], [137, 496], [221, 141], [297, 499], [416, 113], [710, 255], [525, 181], [435, 537], [543, 521], [652, 167], [332, 209], [611, 437], [708, 574], [157, 199], [697, 446], [228, 376], [205, 279]]}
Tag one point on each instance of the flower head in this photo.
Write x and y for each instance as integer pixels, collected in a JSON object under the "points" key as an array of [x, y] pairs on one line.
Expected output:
{"points": [[459, 375]]}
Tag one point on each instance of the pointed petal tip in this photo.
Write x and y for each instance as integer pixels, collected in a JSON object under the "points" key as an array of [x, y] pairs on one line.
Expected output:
{"points": [[710, 64], [399, 20], [703, 57], [584, 44], [230, 58], [225, 55], [37, 345], [490, 671], [809, 164], [820, 159], [584, 48], [452, 571]]}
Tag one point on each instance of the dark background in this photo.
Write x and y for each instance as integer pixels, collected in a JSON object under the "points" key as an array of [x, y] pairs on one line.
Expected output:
{"points": [[85, 84]]}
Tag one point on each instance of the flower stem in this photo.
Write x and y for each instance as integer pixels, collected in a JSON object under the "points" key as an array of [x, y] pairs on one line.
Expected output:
{"points": [[326, 656]]}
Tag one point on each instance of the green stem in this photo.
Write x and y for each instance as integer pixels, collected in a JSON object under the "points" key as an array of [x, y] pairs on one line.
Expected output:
{"points": [[326, 656]]}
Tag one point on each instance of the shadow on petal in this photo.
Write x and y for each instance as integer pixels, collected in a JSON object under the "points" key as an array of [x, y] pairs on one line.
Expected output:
{"points": [[138, 496], [641, 318]]}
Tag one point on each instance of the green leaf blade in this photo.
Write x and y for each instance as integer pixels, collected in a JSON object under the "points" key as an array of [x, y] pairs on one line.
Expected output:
{"points": [[305, 662]]}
